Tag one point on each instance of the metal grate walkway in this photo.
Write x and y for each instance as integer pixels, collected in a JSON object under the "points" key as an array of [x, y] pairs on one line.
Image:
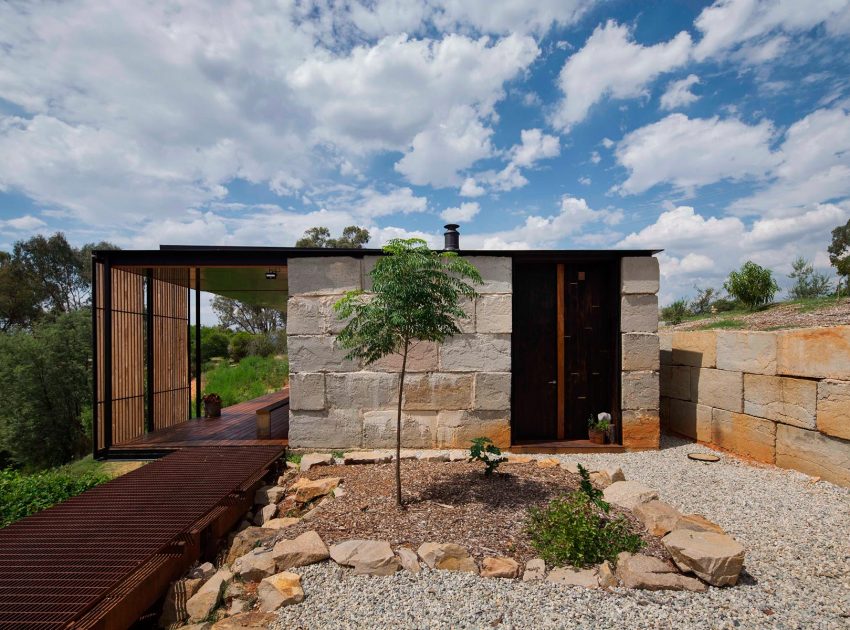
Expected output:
{"points": [[102, 558]]}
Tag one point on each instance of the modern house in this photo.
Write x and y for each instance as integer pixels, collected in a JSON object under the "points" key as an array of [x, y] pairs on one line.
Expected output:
{"points": [[554, 337]]}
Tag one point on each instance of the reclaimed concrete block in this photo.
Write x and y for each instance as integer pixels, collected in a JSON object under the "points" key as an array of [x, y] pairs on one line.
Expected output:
{"points": [[813, 453], [306, 315], [361, 390], [780, 398], [718, 388], [492, 390], [476, 353], [639, 313], [366, 267], [744, 434], [417, 429], [665, 341], [309, 353], [457, 429], [324, 275], [467, 324], [640, 390], [306, 391], [641, 428], [697, 348], [639, 274], [833, 408], [690, 419], [640, 351], [676, 381], [336, 428], [814, 352], [423, 356], [746, 351], [438, 390], [496, 272], [493, 313]]}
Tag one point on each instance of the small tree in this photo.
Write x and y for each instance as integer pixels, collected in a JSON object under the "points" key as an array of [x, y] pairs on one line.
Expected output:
{"points": [[353, 237], [702, 303], [839, 254], [752, 285], [415, 297], [676, 312], [808, 283]]}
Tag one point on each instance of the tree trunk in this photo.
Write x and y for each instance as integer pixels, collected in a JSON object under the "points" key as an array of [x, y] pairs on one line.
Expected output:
{"points": [[398, 427]]}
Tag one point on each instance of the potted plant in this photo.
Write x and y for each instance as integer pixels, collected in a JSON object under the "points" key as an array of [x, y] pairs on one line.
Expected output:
{"points": [[598, 427], [212, 406]]}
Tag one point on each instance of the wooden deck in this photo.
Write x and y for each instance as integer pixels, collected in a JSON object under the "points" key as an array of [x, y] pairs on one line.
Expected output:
{"points": [[556, 447], [237, 426]]}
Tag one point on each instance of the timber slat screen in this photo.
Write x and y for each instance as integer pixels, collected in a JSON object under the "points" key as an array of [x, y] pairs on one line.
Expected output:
{"points": [[171, 387]]}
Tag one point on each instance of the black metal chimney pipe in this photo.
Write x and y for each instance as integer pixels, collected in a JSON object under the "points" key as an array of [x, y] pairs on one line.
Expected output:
{"points": [[452, 237]]}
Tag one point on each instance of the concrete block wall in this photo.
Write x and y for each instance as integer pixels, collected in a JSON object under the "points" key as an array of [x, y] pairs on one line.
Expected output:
{"points": [[454, 391], [779, 397], [639, 281]]}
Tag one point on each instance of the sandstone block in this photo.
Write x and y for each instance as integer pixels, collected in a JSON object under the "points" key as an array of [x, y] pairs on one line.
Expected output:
{"points": [[367, 557], [690, 419], [456, 429], [493, 313], [315, 459], [715, 558], [783, 399], [628, 494], [248, 539], [174, 607], [814, 352], [361, 390], [308, 548], [720, 389], [266, 513], [641, 428], [640, 390], [367, 457], [500, 568], [605, 575], [652, 574], [246, 621], [746, 351], [697, 348], [492, 391], [204, 601], [675, 381], [813, 453], [309, 315], [639, 313], [447, 556], [337, 428], [408, 559], [281, 523], [467, 324], [423, 356], [418, 429], [476, 353], [281, 589], [318, 354], [309, 489], [574, 577], [833, 408], [324, 275], [698, 523], [496, 272], [639, 274], [535, 569], [437, 390], [658, 517], [743, 434], [640, 351], [255, 565], [269, 494], [366, 267], [307, 391]]}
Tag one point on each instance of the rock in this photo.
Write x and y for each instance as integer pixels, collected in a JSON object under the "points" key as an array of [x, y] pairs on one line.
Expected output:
{"points": [[574, 577], [338, 492], [310, 489], [499, 568], [204, 601], [518, 459], [605, 477], [716, 558], [203, 571], [255, 565], [266, 514], [458, 456], [605, 575], [549, 462], [269, 494], [246, 620], [281, 589], [570, 467], [408, 559], [288, 474], [658, 517], [174, 607], [653, 574], [237, 606], [288, 508], [234, 589], [535, 569], [697, 523], [281, 523], [368, 557], [315, 459], [307, 548], [628, 494], [433, 456], [367, 457], [448, 556]]}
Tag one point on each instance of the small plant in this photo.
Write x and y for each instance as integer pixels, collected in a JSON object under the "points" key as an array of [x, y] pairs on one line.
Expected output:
{"points": [[594, 494], [485, 451], [212, 398], [752, 285], [598, 427], [676, 312]]}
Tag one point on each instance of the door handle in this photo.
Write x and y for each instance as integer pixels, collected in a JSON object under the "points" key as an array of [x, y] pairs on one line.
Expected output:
{"points": [[553, 382]]}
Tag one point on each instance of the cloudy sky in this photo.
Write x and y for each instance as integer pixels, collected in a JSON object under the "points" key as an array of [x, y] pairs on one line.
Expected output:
{"points": [[718, 132]]}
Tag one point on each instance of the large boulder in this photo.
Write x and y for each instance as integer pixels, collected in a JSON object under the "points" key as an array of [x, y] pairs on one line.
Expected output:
{"points": [[308, 548], [368, 557], [500, 567], [267, 513], [653, 574], [281, 589], [246, 621], [174, 607], [310, 489], [628, 494], [448, 556], [698, 523], [716, 558], [255, 565], [248, 539], [658, 517], [315, 459], [204, 601], [574, 577]]}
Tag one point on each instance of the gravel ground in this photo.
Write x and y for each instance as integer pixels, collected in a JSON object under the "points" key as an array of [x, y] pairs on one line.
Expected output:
{"points": [[797, 571]]}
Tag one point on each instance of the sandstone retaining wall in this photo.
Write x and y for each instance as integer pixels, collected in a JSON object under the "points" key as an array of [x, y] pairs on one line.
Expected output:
{"points": [[778, 397]]}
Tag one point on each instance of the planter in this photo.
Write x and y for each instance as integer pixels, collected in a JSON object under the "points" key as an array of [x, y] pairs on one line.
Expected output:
{"points": [[212, 409], [596, 436]]}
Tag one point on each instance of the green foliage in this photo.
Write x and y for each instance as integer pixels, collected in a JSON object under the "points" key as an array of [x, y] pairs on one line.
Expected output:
{"points": [[295, 458], [676, 312], [573, 530], [723, 323], [239, 346], [252, 377], [704, 300], [483, 450], [839, 252], [752, 285], [214, 343], [593, 494], [353, 237], [600, 422], [724, 305], [22, 495], [248, 318], [808, 283]]}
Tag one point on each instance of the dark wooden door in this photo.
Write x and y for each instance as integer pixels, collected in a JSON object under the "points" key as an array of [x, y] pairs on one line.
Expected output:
{"points": [[534, 362]]}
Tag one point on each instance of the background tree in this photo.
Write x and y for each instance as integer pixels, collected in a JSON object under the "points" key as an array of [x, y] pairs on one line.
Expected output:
{"points": [[415, 297], [676, 312], [808, 283], [752, 285], [839, 254], [702, 303], [20, 295], [353, 237], [59, 268], [246, 317]]}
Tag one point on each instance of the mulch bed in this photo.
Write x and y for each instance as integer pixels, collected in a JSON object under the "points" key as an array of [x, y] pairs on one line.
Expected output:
{"points": [[445, 502]]}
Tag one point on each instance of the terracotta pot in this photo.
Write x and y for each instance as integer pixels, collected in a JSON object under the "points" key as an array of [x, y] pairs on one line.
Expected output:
{"points": [[212, 409], [596, 436]]}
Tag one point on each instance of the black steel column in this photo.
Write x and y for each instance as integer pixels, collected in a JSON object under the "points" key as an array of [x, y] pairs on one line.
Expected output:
{"points": [[189, 340], [94, 432], [149, 357], [107, 353], [197, 342]]}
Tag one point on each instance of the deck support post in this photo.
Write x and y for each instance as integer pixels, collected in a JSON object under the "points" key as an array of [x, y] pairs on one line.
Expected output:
{"points": [[149, 418], [197, 342]]}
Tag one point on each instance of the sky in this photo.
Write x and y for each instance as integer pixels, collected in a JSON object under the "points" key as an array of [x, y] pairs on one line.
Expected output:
{"points": [[719, 132]]}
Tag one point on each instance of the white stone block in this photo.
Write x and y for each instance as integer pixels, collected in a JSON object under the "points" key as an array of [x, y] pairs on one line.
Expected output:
{"points": [[437, 391], [639, 274], [417, 429], [476, 353], [423, 356], [746, 351], [324, 275], [361, 390], [493, 390], [306, 391], [457, 429], [721, 389], [639, 313], [334, 429], [640, 351], [640, 390], [318, 354], [493, 313], [495, 272]]}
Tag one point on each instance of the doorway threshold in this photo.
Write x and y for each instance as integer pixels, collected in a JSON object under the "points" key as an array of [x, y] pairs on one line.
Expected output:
{"points": [[555, 447]]}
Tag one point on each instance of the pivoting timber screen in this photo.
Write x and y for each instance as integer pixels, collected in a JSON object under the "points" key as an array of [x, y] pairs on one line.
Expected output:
{"points": [[170, 310]]}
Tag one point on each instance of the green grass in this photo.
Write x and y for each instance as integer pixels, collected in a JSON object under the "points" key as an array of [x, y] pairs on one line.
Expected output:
{"points": [[250, 378], [723, 323]]}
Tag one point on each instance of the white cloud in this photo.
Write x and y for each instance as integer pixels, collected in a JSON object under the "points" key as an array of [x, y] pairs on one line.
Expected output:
{"points": [[692, 152], [25, 223], [595, 157], [535, 146], [612, 65], [585, 181], [471, 189], [461, 214], [678, 93], [398, 201], [607, 143]]}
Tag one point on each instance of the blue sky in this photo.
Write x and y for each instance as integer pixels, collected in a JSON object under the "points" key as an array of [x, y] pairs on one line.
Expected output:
{"points": [[719, 132]]}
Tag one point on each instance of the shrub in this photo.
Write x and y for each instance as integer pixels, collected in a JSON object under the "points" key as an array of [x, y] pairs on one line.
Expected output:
{"points": [[808, 283], [573, 530], [676, 312], [484, 450], [261, 346], [703, 302], [593, 494], [752, 285], [250, 378], [240, 346], [724, 305], [22, 495], [214, 343]]}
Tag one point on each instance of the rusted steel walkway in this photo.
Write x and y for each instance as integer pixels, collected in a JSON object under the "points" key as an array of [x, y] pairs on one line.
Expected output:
{"points": [[99, 560]]}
